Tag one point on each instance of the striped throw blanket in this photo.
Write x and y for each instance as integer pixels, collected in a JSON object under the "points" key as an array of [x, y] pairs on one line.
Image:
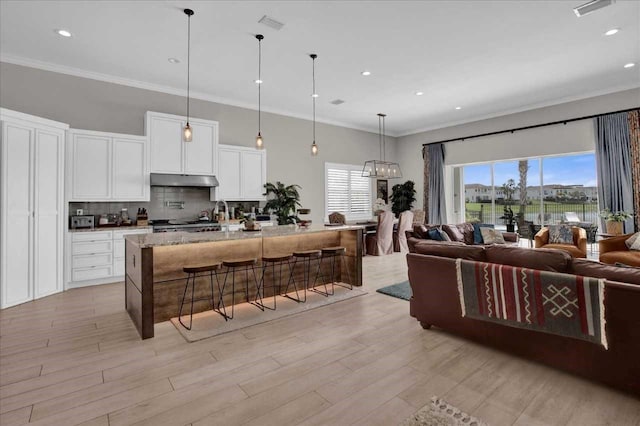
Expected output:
{"points": [[563, 304]]}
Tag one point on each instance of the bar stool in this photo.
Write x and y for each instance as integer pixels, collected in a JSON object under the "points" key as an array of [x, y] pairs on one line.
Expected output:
{"points": [[192, 273], [306, 257], [331, 254], [273, 261], [239, 265]]}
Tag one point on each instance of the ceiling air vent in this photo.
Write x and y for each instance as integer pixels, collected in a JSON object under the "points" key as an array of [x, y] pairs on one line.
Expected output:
{"points": [[271, 23], [337, 102], [592, 6]]}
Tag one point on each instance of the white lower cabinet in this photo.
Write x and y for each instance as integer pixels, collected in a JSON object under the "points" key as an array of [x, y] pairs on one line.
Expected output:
{"points": [[32, 207], [97, 257]]}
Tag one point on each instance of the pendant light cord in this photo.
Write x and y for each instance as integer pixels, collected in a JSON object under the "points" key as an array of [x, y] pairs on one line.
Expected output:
{"points": [[314, 98], [380, 134], [188, 63], [260, 81], [384, 142]]}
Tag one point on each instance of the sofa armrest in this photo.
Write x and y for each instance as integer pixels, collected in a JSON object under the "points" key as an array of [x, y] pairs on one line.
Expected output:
{"points": [[542, 237], [511, 237], [614, 244]]}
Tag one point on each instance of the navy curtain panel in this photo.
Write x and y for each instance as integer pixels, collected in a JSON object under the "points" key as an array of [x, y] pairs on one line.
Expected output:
{"points": [[434, 198], [613, 157]]}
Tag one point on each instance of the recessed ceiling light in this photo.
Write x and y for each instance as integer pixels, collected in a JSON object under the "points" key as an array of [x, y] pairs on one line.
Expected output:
{"points": [[458, 107], [629, 65], [419, 93], [366, 73], [315, 95], [257, 81], [63, 33], [174, 60], [612, 31]]}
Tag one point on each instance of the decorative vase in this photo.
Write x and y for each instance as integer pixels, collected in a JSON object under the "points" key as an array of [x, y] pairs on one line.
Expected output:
{"points": [[614, 228]]}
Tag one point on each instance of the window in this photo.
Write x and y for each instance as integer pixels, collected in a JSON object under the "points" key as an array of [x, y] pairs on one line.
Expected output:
{"points": [[346, 191], [541, 189]]}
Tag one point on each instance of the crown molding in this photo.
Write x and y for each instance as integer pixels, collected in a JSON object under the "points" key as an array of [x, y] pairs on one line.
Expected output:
{"points": [[523, 109], [108, 78]]}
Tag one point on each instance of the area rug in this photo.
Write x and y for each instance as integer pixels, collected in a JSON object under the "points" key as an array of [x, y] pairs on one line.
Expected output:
{"points": [[439, 413], [401, 290], [208, 324]]}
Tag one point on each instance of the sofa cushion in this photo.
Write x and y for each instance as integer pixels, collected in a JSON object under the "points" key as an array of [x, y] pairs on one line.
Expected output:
{"points": [[569, 248], [453, 250], [444, 235], [477, 235], [633, 242], [420, 230], [589, 268], [560, 234], [454, 233], [628, 257], [467, 231], [492, 236], [542, 259]]}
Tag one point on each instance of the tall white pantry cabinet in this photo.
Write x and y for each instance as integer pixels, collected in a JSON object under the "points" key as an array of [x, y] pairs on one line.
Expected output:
{"points": [[32, 207]]}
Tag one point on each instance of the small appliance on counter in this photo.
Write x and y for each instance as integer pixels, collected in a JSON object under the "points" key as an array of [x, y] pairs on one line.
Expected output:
{"points": [[82, 222]]}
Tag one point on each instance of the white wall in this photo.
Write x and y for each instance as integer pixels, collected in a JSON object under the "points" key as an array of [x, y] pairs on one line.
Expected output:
{"points": [[96, 105], [560, 139]]}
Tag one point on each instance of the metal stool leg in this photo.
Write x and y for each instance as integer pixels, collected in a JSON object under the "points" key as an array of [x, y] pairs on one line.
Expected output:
{"points": [[184, 295], [292, 270], [325, 293]]}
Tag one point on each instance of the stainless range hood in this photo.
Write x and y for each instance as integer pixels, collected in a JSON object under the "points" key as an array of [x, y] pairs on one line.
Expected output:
{"points": [[164, 179]]}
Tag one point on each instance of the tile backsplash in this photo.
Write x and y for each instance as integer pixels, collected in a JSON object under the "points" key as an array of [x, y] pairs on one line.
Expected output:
{"points": [[163, 204]]}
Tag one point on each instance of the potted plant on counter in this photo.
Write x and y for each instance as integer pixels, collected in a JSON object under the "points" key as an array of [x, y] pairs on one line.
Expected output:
{"points": [[614, 220], [282, 200]]}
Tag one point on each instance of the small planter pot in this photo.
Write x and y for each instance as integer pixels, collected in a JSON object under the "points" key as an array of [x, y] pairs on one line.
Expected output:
{"points": [[511, 228], [614, 228]]}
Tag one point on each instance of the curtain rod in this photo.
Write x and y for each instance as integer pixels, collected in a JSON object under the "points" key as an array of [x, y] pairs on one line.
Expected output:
{"points": [[531, 127]]}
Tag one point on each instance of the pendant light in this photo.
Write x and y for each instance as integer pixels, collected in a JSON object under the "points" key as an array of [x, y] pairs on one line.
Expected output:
{"points": [[314, 95], [187, 134], [381, 169], [259, 37]]}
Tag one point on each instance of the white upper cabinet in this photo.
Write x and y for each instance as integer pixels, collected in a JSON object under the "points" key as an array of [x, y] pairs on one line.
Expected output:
{"points": [[107, 167], [169, 154], [242, 173], [32, 207]]}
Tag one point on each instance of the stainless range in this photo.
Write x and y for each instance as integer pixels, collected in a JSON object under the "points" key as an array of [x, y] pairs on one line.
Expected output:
{"points": [[195, 226]]}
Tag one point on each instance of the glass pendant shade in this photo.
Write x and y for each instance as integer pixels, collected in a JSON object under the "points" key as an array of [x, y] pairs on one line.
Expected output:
{"points": [[187, 133], [259, 144], [314, 149]]}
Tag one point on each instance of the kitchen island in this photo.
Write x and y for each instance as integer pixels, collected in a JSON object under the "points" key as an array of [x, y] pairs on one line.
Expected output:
{"points": [[155, 282]]}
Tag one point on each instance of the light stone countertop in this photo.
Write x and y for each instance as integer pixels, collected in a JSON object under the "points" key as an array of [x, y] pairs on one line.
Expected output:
{"points": [[176, 238], [112, 228]]}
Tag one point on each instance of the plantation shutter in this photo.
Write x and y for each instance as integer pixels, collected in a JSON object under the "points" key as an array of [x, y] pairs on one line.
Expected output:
{"points": [[347, 192]]}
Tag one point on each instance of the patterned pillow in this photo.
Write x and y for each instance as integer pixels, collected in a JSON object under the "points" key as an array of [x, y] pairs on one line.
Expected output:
{"points": [[434, 234], [492, 236], [560, 234], [633, 242]]}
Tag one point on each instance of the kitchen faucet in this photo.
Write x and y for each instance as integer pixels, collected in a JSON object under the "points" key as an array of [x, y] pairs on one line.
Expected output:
{"points": [[226, 211]]}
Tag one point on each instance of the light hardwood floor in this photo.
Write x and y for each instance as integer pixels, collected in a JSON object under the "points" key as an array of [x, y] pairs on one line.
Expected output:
{"points": [[75, 358]]}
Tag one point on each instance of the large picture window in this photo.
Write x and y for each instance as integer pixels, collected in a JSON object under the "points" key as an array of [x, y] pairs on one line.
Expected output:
{"points": [[347, 192], [540, 190]]}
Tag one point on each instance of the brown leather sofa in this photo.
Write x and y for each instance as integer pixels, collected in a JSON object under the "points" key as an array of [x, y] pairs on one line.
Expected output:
{"points": [[460, 234], [577, 249], [435, 302], [614, 250]]}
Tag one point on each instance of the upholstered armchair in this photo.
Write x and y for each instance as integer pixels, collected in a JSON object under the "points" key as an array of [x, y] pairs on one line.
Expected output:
{"points": [[614, 249], [577, 249]]}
